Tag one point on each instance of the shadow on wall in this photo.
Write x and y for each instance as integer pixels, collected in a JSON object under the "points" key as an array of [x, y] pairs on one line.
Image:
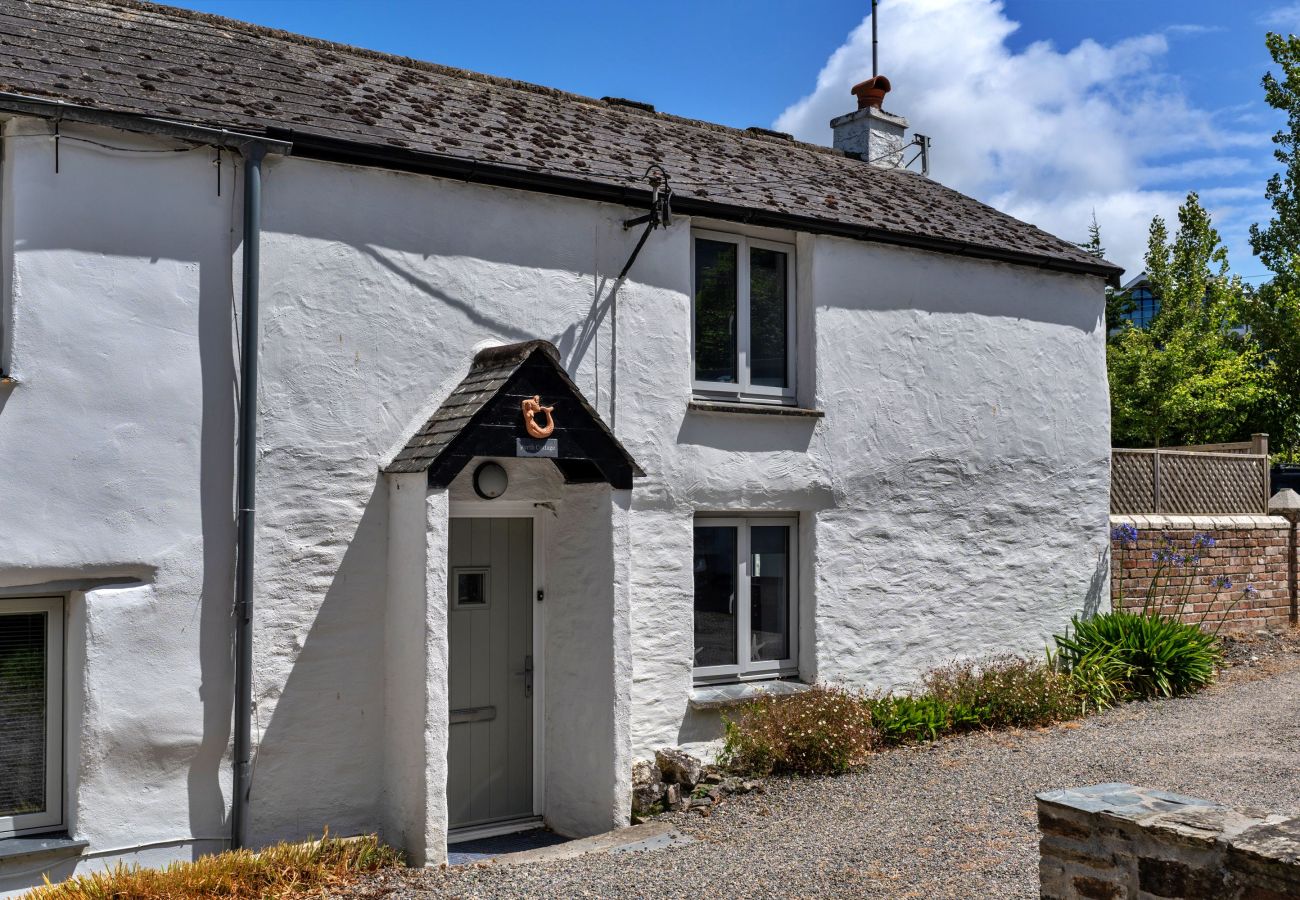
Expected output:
{"points": [[700, 725], [1097, 587], [319, 762], [573, 343], [476, 316], [217, 516], [25, 878], [577, 340], [408, 220], [747, 433]]}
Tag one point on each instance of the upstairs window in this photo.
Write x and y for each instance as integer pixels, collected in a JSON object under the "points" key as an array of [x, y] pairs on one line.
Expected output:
{"points": [[743, 318], [31, 715]]}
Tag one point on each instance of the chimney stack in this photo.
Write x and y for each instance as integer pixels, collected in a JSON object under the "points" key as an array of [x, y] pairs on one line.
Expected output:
{"points": [[870, 133]]}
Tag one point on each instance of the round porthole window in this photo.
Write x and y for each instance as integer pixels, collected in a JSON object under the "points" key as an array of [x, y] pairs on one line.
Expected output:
{"points": [[490, 480]]}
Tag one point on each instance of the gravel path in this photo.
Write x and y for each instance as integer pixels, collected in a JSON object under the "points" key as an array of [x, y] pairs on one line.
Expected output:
{"points": [[952, 819]]}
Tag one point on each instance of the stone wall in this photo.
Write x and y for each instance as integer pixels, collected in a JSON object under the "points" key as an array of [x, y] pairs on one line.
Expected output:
{"points": [[1116, 841], [1241, 578]]}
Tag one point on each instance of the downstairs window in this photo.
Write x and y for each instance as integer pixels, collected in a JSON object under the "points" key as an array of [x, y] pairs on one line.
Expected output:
{"points": [[31, 715], [745, 598]]}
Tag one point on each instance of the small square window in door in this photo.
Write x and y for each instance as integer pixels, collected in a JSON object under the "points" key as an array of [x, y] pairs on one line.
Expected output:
{"points": [[471, 588]]}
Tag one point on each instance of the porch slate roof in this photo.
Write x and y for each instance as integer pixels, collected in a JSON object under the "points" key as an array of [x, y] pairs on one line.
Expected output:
{"points": [[150, 60], [489, 374]]}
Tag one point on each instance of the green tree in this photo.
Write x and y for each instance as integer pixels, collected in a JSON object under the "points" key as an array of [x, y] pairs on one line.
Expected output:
{"points": [[1273, 314], [1119, 305], [1192, 376], [1277, 243]]}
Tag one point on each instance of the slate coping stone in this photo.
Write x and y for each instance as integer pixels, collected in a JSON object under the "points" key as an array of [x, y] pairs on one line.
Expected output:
{"points": [[719, 696], [40, 845]]}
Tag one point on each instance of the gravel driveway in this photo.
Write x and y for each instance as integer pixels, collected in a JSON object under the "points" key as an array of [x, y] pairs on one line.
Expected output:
{"points": [[952, 819]]}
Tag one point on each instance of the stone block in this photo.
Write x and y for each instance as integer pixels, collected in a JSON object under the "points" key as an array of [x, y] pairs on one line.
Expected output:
{"points": [[645, 772], [1172, 878], [679, 767], [1162, 845], [1076, 854], [1093, 888], [1050, 823], [646, 796]]}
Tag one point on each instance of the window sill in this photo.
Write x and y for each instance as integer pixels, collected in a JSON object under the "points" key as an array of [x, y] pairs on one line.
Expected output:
{"points": [[56, 844], [721, 696], [731, 407]]}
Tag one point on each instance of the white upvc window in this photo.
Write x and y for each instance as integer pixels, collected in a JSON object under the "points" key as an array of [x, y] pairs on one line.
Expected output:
{"points": [[746, 598], [742, 318], [31, 715]]}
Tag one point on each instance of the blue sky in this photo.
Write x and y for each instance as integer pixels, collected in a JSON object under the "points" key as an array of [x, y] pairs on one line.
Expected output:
{"points": [[1049, 109]]}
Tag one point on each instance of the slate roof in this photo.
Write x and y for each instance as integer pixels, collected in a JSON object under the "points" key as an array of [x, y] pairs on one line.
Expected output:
{"points": [[142, 58], [489, 373]]}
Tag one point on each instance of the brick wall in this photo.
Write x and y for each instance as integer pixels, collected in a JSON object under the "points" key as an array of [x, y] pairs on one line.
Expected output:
{"points": [[1248, 551], [1116, 841]]}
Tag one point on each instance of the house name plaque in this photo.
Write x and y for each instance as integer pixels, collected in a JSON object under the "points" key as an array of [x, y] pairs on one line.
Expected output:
{"points": [[533, 447]]}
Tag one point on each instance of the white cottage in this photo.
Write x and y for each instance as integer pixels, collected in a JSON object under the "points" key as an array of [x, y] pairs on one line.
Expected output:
{"points": [[366, 467]]}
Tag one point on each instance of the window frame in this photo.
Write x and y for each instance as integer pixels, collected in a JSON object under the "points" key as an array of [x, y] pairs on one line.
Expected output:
{"points": [[486, 572], [742, 389], [745, 669], [51, 819]]}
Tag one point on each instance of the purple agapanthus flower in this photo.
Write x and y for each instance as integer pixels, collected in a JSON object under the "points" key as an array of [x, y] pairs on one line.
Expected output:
{"points": [[1126, 534], [1204, 540], [1169, 555], [1251, 590], [1223, 583]]}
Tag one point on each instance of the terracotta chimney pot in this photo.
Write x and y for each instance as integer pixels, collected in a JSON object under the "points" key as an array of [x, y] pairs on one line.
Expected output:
{"points": [[871, 92]]}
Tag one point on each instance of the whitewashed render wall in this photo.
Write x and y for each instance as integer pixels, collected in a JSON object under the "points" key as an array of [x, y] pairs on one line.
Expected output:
{"points": [[953, 497], [118, 467]]}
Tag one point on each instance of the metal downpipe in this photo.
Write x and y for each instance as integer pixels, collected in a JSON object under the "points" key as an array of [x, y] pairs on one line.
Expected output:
{"points": [[247, 497]]}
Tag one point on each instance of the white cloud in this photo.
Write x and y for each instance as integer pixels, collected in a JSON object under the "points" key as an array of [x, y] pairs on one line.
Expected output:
{"points": [[1045, 134], [1193, 28], [1286, 17]]}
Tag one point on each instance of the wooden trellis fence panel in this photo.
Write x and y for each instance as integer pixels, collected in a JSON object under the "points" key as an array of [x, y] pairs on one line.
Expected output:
{"points": [[1189, 483]]}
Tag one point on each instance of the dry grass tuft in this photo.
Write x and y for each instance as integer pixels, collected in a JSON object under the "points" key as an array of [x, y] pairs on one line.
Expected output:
{"points": [[281, 871]]}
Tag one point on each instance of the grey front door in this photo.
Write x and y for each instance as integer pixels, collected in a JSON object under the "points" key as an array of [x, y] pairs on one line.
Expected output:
{"points": [[490, 758]]}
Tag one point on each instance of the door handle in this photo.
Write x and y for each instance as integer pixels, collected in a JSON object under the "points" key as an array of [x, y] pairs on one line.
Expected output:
{"points": [[473, 714], [528, 675]]}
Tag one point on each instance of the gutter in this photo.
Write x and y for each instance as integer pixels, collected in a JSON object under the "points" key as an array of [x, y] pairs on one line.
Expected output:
{"points": [[327, 149], [46, 108]]}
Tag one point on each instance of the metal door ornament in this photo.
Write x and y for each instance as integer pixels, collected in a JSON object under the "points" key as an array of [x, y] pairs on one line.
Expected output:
{"points": [[532, 406]]}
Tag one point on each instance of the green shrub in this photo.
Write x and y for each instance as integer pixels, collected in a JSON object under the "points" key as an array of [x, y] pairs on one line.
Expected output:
{"points": [[1121, 656], [822, 731], [901, 719], [1003, 692], [1098, 679]]}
